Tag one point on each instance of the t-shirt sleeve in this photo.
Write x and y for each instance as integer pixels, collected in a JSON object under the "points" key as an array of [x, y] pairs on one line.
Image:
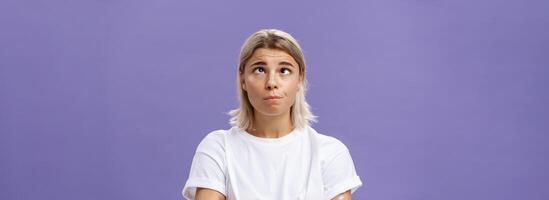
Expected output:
{"points": [[338, 170], [208, 166]]}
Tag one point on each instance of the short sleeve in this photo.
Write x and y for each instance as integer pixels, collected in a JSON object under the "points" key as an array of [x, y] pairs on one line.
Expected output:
{"points": [[338, 170], [208, 166]]}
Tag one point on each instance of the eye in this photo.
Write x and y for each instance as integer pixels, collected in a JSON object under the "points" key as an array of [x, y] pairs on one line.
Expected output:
{"points": [[259, 70], [285, 71]]}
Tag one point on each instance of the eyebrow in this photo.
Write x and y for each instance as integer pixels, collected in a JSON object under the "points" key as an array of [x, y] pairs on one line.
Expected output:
{"points": [[280, 63]]}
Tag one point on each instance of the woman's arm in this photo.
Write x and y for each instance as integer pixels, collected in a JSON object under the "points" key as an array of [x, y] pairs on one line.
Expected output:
{"points": [[208, 194], [343, 196]]}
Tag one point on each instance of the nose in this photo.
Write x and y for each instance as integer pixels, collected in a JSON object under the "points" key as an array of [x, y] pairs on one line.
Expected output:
{"points": [[271, 82]]}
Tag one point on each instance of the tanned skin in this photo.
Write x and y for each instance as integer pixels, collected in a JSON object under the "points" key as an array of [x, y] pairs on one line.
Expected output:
{"points": [[209, 194]]}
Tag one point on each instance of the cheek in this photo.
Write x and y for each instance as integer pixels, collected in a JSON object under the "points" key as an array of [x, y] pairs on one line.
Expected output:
{"points": [[250, 78], [252, 85], [253, 80], [293, 85], [250, 82], [292, 91]]}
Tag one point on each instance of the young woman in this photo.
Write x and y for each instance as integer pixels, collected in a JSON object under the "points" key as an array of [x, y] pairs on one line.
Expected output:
{"points": [[271, 151]]}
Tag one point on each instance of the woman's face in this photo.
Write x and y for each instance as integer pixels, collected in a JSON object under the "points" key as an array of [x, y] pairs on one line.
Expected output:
{"points": [[271, 78]]}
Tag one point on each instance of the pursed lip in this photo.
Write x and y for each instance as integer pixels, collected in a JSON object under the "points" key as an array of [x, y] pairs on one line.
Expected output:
{"points": [[272, 97]]}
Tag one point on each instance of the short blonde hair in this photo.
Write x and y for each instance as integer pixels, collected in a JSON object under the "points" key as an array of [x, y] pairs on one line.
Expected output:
{"points": [[300, 112]]}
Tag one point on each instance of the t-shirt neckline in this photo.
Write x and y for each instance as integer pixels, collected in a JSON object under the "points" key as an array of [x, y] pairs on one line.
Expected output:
{"points": [[281, 140]]}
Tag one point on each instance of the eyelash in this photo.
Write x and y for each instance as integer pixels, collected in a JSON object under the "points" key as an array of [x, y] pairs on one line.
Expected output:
{"points": [[284, 68]]}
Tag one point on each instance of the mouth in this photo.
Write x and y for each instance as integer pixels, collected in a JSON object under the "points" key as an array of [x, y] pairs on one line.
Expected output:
{"points": [[272, 97]]}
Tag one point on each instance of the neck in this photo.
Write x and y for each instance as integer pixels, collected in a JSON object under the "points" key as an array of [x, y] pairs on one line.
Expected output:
{"points": [[271, 126]]}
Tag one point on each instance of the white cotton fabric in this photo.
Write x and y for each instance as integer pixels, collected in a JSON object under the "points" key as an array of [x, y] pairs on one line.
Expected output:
{"points": [[301, 165]]}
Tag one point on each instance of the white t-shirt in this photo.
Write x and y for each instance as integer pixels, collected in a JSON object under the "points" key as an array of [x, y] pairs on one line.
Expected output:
{"points": [[301, 165]]}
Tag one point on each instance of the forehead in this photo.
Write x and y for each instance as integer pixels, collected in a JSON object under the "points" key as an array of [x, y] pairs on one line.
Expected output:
{"points": [[271, 54]]}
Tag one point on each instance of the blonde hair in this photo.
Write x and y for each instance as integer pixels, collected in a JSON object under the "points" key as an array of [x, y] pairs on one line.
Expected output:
{"points": [[300, 112]]}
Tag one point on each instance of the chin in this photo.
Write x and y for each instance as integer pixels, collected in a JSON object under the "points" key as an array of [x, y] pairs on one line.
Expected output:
{"points": [[273, 112]]}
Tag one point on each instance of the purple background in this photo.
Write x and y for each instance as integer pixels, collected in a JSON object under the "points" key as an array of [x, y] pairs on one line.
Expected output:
{"points": [[435, 99]]}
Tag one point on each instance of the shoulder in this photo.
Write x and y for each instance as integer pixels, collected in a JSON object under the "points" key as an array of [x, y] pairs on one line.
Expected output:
{"points": [[214, 141], [336, 165], [329, 145]]}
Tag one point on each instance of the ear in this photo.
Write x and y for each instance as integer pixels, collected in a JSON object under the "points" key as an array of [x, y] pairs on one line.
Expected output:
{"points": [[301, 80], [243, 85], [242, 81]]}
